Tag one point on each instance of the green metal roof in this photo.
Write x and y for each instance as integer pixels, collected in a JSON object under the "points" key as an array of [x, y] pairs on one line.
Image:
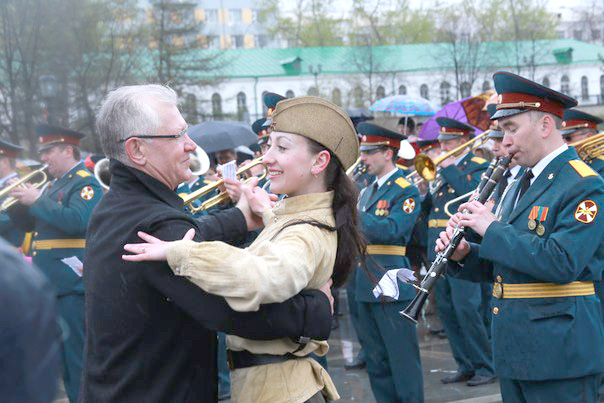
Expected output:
{"points": [[250, 63]]}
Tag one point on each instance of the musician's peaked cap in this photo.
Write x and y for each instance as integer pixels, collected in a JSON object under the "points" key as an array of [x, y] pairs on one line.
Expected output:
{"points": [[576, 120], [518, 95], [259, 127], [452, 129], [494, 131], [271, 100], [9, 150], [49, 136], [321, 121], [374, 136]]}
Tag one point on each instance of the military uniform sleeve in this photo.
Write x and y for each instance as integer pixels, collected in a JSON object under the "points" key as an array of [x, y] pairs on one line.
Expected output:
{"points": [[19, 214], [72, 214], [472, 267], [274, 272], [306, 314], [398, 224], [462, 182], [563, 255]]}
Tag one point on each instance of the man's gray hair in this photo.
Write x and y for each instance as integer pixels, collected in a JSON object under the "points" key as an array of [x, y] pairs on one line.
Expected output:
{"points": [[126, 111]]}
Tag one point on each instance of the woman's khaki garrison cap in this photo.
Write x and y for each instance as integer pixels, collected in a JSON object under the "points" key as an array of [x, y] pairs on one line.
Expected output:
{"points": [[321, 121]]}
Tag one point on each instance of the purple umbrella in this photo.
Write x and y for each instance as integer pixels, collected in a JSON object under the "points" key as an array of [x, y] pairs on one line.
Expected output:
{"points": [[468, 111]]}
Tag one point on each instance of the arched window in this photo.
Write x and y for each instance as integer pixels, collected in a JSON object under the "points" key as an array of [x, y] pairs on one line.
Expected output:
{"points": [[380, 92], [402, 89], [465, 88], [486, 85], [445, 93], [190, 108], [242, 114], [423, 91], [546, 82], [584, 89], [357, 95], [313, 91], [289, 94], [336, 96], [264, 108], [565, 85], [601, 88], [217, 106]]}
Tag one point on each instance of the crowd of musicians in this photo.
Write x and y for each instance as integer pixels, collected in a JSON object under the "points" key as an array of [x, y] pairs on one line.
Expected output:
{"points": [[167, 276]]}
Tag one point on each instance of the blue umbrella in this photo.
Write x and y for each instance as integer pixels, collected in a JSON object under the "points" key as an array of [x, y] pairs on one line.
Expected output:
{"points": [[404, 105]]}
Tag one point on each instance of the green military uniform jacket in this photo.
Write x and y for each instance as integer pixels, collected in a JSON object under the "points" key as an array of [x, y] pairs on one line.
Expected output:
{"points": [[457, 180], [387, 219], [59, 219], [546, 338]]}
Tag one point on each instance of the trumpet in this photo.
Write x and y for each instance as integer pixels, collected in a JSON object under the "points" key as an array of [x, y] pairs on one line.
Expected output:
{"points": [[590, 147], [485, 176], [426, 167], [10, 201], [438, 267], [221, 197]]}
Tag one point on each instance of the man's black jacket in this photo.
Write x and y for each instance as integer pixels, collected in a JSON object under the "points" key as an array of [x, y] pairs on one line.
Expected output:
{"points": [[149, 334]]}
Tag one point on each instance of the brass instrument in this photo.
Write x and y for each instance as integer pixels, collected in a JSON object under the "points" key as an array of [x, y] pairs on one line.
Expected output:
{"points": [[101, 172], [354, 166], [590, 147], [199, 162], [426, 167], [10, 201], [221, 197], [466, 196]]}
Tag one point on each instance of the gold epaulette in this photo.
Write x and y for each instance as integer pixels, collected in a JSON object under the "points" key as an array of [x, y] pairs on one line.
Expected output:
{"points": [[478, 160], [83, 173], [402, 182], [600, 157], [582, 168]]}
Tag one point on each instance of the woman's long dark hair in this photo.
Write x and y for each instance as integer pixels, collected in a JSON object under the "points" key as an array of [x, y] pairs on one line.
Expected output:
{"points": [[351, 243]]}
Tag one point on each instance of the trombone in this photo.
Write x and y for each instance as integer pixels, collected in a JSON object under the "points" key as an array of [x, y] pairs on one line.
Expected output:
{"points": [[221, 197], [10, 201], [590, 147], [426, 167]]}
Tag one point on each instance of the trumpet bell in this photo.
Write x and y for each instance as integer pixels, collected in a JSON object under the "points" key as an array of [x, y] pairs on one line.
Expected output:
{"points": [[199, 162], [425, 167]]}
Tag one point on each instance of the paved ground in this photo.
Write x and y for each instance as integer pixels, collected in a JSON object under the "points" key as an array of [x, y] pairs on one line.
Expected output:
{"points": [[437, 363]]}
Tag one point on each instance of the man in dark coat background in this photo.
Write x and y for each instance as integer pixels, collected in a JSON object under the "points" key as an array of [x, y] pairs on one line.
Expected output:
{"points": [[150, 336]]}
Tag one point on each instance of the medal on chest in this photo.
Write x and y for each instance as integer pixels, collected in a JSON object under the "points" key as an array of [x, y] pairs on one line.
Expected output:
{"points": [[537, 217], [382, 208]]}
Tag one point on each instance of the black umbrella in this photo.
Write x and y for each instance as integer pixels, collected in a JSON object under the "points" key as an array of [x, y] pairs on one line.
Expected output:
{"points": [[218, 135]]}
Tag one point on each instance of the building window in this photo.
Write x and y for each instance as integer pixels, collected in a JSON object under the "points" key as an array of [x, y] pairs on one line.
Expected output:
{"points": [[546, 82], [445, 93], [213, 42], [465, 89], [584, 89], [216, 106], [402, 90], [486, 85], [242, 114], [254, 15], [237, 41], [423, 91], [602, 89], [577, 34], [235, 15], [313, 91], [380, 92], [190, 107], [261, 41], [596, 34], [565, 85], [264, 107], [336, 96], [211, 15], [357, 96]]}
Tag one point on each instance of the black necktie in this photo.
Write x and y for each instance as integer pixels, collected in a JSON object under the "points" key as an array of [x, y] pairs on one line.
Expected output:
{"points": [[525, 182], [371, 192], [503, 184]]}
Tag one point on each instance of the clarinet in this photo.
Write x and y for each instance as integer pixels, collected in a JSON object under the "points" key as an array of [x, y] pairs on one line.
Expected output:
{"points": [[438, 267]]}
